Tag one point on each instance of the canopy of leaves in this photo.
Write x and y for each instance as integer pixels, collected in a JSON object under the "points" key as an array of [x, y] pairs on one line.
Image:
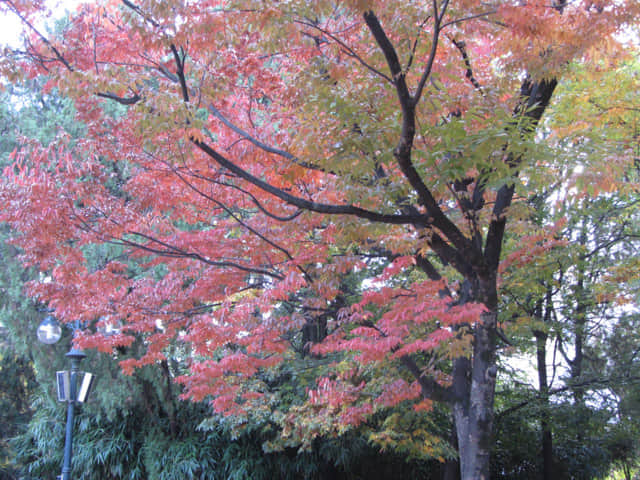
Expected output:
{"points": [[264, 182]]}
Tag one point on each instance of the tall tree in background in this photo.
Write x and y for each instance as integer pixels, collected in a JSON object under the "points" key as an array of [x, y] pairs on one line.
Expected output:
{"points": [[572, 303], [19, 316], [268, 152]]}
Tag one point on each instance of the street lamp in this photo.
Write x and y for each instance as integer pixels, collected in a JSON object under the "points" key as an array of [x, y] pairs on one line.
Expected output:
{"points": [[49, 331], [73, 386]]}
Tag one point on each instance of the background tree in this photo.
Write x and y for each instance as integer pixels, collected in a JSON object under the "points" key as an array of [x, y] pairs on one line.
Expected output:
{"points": [[17, 382], [18, 372], [575, 307], [267, 151]]}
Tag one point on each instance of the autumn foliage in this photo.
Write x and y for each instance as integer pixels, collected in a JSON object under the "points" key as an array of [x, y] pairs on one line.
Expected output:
{"points": [[265, 181]]}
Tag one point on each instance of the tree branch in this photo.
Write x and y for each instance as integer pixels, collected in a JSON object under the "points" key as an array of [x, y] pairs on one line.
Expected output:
{"points": [[180, 72], [169, 250], [430, 388], [121, 100], [462, 48], [139, 11], [44, 39], [175, 252], [595, 382], [261, 145], [307, 204], [404, 148], [347, 50], [535, 99], [241, 222], [434, 47], [260, 207]]}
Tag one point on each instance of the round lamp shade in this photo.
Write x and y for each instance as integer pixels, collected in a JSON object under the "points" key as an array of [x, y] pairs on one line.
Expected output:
{"points": [[49, 331]]}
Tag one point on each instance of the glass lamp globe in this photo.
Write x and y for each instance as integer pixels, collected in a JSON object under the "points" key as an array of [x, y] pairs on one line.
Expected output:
{"points": [[49, 330]]}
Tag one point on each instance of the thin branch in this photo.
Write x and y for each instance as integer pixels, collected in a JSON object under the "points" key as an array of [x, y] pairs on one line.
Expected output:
{"points": [[139, 11], [462, 48], [434, 48], [169, 250], [44, 39], [466, 19], [415, 45], [255, 201], [174, 252], [261, 145], [347, 49], [595, 382], [240, 222]]}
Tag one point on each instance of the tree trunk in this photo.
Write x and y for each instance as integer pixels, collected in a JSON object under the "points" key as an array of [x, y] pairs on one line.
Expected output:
{"points": [[543, 384], [473, 412], [580, 320], [546, 437]]}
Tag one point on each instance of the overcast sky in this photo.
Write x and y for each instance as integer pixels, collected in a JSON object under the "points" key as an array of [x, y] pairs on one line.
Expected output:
{"points": [[10, 24]]}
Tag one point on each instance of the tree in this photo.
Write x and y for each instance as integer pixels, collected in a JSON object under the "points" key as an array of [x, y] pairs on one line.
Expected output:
{"points": [[137, 427], [572, 310], [17, 312], [17, 382], [269, 150]]}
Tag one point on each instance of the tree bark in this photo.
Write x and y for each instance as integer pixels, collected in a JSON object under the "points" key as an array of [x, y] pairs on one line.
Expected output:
{"points": [[474, 419], [546, 436]]}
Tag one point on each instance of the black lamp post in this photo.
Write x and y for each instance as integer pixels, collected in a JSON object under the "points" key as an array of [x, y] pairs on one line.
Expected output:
{"points": [[73, 386]]}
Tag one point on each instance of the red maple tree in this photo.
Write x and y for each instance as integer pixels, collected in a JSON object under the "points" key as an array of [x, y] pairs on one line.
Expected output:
{"points": [[242, 157]]}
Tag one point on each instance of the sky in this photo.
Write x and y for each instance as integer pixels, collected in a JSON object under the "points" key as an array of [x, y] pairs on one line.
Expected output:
{"points": [[10, 26]]}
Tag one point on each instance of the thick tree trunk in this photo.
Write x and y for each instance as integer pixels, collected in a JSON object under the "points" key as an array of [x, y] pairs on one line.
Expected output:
{"points": [[473, 412]]}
